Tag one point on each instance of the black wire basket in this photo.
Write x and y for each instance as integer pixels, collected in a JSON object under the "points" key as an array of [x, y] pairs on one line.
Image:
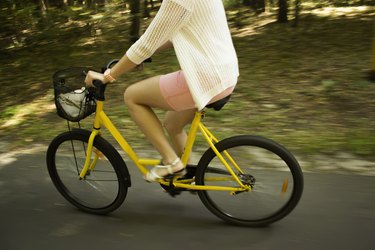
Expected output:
{"points": [[73, 102]]}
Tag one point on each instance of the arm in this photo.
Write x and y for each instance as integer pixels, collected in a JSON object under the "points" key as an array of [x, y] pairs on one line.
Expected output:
{"points": [[125, 64], [172, 15]]}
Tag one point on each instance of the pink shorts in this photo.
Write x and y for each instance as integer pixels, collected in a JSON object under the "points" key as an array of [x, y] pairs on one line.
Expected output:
{"points": [[174, 88]]}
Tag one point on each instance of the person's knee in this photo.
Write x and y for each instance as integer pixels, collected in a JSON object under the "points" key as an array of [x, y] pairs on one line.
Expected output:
{"points": [[129, 96]]}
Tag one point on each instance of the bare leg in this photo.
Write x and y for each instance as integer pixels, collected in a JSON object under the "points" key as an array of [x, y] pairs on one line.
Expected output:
{"points": [[140, 98], [174, 123]]}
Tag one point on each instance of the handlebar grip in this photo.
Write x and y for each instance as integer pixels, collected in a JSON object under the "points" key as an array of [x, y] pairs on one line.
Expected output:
{"points": [[97, 83], [100, 86]]}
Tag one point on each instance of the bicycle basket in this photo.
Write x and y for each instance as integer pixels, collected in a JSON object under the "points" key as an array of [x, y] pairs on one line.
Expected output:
{"points": [[73, 102]]}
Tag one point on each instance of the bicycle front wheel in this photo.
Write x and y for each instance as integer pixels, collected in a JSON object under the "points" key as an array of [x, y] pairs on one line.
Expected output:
{"points": [[105, 186], [272, 172]]}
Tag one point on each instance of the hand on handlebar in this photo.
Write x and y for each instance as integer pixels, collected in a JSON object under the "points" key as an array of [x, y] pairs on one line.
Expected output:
{"points": [[91, 76]]}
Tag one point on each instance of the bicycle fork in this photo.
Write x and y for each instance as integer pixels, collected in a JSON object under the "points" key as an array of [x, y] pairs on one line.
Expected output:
{"points": [[90, 165]]}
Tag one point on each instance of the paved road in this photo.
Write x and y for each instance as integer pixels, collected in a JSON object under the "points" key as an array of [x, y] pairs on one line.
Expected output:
{"points": [[336, 212]]}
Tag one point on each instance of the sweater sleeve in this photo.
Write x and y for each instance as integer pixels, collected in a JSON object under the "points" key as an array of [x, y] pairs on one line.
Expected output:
{"points": [[172, 15]]}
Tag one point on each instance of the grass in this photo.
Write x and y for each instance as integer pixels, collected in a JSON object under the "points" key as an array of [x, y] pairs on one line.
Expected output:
{"points": [[303, 86]]}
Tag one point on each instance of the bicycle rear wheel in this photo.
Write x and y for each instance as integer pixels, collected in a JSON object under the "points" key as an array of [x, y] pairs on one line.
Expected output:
{"points": [[104, 188], [272, 172]]}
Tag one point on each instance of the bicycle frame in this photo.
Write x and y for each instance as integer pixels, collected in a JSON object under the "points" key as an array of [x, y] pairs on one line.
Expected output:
{"points": [[101, 119]]}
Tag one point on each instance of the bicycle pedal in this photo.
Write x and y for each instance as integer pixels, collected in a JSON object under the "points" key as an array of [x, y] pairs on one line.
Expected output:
{"points": [[172, 191]]}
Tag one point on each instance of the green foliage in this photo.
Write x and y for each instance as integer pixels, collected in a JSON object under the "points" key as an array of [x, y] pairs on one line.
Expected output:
{"points": [[9, 112], [301, 86]]}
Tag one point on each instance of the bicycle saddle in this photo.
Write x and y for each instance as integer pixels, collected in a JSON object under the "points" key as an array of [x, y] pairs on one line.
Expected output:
{"points": [[219, 104]]}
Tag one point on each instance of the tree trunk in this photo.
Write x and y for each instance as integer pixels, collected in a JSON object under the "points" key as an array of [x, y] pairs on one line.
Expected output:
{"points": [[257, 5], [135, 10], [90, 4], [43, 7], [296, 13], [58, 3], [282, 16], [146, 12], [247, 2], [372, 65], [101, 3]]}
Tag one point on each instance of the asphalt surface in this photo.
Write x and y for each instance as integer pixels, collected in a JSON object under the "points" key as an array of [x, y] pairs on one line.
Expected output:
{"points": [[336, 212]]}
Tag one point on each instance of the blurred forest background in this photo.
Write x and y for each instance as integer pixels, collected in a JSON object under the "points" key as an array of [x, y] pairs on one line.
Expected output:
{"points": [[304, 65]]}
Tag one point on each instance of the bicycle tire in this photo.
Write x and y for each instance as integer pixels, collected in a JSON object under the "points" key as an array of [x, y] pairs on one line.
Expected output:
{"points": [[104, 189], [258, 212]]}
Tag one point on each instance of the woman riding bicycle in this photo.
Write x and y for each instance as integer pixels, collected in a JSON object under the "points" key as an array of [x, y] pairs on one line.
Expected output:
{"points": [[199, 32]]}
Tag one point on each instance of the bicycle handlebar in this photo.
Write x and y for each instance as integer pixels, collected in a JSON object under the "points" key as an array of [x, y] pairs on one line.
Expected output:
{"points": [[100, 90]]}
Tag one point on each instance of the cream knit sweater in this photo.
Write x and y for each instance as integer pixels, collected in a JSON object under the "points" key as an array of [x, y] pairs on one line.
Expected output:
{"points": [[201, 38]]}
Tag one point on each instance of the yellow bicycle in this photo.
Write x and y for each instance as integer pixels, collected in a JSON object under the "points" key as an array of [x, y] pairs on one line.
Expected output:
{"points": [[245, 180]]}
